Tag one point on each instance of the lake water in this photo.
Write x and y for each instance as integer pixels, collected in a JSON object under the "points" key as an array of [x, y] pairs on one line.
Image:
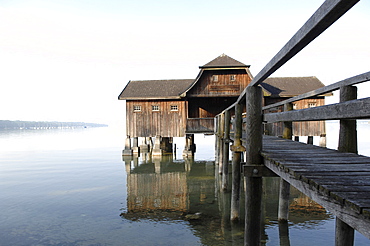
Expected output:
{"points": [[72, 187]]}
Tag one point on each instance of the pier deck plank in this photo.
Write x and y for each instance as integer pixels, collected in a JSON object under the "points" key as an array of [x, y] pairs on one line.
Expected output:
{"points": [[340, 182]]}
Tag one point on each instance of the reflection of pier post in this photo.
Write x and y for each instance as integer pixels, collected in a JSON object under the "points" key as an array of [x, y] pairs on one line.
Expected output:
{"points": [[127, 160], [284, 233], [128, 149]]}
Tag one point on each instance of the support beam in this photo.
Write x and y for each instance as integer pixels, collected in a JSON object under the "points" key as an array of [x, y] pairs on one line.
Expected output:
{"points": [[221, 139], [344, 234], [189, 148], [135, 148], [144, 146], [128, 150], [225, 155], [237, 150], [157, 151], [253, 191]]}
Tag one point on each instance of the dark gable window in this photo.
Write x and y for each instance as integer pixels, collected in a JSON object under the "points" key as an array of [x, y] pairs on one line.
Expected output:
{"points": [[174, 108], [232, 77]]}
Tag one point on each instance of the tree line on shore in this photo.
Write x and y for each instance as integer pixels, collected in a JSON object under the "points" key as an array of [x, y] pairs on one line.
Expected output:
{"points": [[17, 124]]}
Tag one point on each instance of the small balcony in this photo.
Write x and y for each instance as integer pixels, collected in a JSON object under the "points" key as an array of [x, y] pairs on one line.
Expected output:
{"points": [[200, 125]]}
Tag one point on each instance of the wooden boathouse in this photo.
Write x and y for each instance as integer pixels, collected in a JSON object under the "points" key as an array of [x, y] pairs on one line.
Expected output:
{"points": [[177, 108]]}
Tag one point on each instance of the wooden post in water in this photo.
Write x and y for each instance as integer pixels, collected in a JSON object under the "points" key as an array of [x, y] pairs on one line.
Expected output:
{"points": [[217, 142], [128, 149], [284, 192], [225, 155], [136, 148], [344, 234], [253, 191], [237, 150], [221, 139]]}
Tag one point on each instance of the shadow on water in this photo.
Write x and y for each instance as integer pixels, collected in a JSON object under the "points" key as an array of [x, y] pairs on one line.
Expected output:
{"points": [[164, 189]]}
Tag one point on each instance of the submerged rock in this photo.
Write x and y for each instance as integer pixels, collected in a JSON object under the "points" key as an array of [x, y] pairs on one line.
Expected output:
{"points": [[195, 216]]}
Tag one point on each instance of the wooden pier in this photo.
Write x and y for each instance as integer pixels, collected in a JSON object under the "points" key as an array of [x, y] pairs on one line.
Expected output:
{"points": [[339, 180]]}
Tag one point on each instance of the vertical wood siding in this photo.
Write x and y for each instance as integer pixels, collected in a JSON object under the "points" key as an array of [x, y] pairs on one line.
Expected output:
{"points": [[148, 123], [305, 128], [224, 86]]}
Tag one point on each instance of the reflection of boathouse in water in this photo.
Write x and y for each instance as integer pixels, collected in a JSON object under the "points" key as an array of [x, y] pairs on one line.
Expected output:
{"points": [[180, 108], [163, 189]]}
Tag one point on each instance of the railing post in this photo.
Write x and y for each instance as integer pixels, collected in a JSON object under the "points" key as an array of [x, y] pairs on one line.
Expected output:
{"points": [[225, 155], [284, 192], [253, 191], [344, 234], [237, 150]]}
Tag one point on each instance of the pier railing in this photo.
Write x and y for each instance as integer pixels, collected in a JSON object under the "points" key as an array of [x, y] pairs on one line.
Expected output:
{"points": [[248, 138]]}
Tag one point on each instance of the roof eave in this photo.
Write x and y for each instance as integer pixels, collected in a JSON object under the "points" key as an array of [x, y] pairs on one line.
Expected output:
{"points": [[149, 98], [223, 67]]}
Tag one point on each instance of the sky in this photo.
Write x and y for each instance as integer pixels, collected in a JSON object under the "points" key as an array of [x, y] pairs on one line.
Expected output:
{"points": [[68, 60]]}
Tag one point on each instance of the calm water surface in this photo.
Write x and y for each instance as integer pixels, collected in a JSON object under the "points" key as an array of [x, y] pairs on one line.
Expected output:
{"points": [[72, 187]]}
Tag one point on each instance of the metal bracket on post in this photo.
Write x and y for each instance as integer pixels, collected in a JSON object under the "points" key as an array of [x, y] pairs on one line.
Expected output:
{"points": [[236, 148], [256, 171]]}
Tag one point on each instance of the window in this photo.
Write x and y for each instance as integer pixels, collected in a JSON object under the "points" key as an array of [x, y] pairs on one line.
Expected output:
{"points": [[137, 108], [232, 77], [215, 78], [294, 106], [174, 108], [311, 105], [155, 107]]}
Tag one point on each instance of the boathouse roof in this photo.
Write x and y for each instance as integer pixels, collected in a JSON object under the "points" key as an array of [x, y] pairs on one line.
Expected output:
{"points": [[290, 86], [223, 61], [154, 89]]}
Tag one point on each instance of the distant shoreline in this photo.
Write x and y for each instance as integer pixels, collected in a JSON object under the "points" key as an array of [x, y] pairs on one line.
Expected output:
{"points": [[17, 124]]}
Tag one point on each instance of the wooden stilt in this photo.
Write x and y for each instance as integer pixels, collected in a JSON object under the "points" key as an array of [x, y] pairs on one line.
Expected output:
{"points": [[157, 151], [128, 150], [237, 150], [344, 234], [189, 146], [144, 147], [135, 147], [322, 142], [284, 192], [225, 155], [253, 193], [310, 140], [221, 146]]}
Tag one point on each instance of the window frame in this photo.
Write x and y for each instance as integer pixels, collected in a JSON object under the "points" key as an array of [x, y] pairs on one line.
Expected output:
{"points": [[174, 108], [137, 108], [155, 108]]}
